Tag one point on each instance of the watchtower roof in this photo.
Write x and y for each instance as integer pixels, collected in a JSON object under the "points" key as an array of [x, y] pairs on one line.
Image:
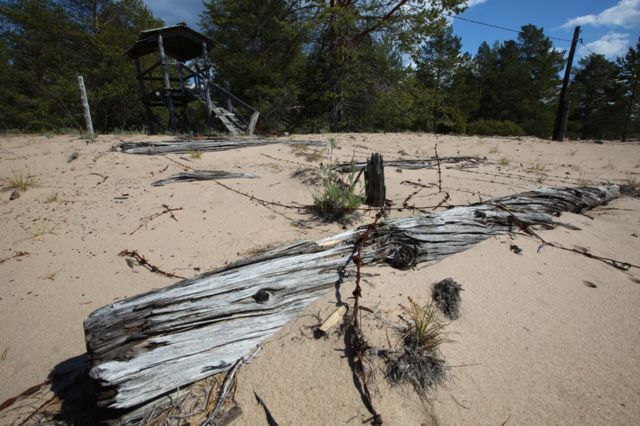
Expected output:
{"points": [[180, 42]]}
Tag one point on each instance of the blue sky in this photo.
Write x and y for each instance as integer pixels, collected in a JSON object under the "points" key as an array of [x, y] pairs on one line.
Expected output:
{"points": [[608, 26]]}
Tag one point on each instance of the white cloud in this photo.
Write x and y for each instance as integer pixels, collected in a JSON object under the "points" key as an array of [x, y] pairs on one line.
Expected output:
{"points": [[610, 45], [471, 3], [624, 14]]}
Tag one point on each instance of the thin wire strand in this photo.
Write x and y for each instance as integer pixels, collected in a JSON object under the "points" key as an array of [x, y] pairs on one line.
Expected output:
{"points": [[501, 28]]}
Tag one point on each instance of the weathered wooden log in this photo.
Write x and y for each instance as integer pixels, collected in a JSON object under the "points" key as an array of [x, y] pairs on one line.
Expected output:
{"points": [[142, 347], [181, 147], [196, 175], [415, 164]]}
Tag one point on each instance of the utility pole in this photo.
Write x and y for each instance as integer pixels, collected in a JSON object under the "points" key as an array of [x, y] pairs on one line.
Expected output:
{"points": [[85, 106], [563, 104]]}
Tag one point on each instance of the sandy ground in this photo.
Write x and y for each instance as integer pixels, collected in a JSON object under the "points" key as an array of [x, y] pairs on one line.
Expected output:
{"points": [[534, 344]]}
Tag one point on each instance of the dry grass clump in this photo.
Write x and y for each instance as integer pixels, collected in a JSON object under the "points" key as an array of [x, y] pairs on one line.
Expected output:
{"points": [[338, 196], [51, 198], [446, 296], [538, 166], [20, 181], [196, 154], [504, 161], [419, 363]]}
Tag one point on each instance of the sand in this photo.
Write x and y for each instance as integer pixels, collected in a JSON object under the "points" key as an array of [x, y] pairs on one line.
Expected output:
{"points": [[534, 343]]}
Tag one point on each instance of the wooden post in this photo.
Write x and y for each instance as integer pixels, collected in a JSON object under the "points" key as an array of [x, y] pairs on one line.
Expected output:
{"points": [[143, 93], [85, 106], [374, 181], [561, 122], [167, 85], [227, 100]]}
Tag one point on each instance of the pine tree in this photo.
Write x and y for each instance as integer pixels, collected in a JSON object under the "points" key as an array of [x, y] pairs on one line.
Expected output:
{"points": [[628, 74], [596, 98], [258, 49]]}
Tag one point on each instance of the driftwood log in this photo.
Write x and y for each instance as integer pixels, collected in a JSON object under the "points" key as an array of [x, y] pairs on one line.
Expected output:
{"points": [[145, 346], [415, 164], [196, 175], [181, 147]]}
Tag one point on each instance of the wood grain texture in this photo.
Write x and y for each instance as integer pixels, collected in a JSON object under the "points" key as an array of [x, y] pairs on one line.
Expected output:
{"points": [[145, 346], [197, 175], [182, 147]]}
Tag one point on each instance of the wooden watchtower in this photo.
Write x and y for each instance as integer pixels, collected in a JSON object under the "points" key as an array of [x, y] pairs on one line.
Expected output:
{"points": [[183, 74]]}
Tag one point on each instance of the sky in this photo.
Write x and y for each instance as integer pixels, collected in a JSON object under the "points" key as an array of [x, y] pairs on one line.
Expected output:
{"points": [[608, 27]]}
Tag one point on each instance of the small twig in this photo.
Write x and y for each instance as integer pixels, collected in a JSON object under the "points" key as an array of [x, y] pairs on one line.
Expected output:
{"points": [[167, 210], [459, 403], [270, 420], [144, 263], [228, 385], [18, 254], [104, 178]]}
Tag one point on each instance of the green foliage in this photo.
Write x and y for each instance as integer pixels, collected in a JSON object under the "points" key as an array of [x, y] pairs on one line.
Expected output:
{"points": [[494, 128], [337, 197], [46, 44]]}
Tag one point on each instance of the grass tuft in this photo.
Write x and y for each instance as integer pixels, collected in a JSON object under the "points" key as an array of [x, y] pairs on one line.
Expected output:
{"points": [[504, 161], [337, 196], [20, 181], [420, 363], [52, 198], [196, 154]]}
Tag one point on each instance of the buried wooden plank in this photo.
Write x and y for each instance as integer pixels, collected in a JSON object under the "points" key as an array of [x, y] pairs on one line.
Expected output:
{"points": [[145, 346], [196, 175], [182, 147]]}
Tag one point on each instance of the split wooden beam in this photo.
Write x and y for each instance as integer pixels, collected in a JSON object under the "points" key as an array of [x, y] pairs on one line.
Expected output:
{"points": [[145, 346]]}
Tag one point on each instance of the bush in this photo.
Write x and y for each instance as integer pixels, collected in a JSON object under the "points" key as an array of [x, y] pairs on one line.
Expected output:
{"points": [[494, 128], [337, 197]]}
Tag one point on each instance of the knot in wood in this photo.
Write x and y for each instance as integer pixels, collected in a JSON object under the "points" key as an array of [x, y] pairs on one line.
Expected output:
{"points": [[402, 254]]}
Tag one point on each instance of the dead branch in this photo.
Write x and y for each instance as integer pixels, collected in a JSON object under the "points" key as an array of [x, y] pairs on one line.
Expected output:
{"points": [[167, 210], [17, 254], [270, 420], [145, 264]]}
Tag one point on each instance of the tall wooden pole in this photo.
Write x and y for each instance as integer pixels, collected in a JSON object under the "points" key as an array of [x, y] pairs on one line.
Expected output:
{"points": [[563, 105], [85, 106], [167, 85]]}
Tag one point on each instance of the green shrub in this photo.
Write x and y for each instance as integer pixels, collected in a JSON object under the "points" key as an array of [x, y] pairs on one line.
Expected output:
{"points": [[494, 128], [337, 196]]}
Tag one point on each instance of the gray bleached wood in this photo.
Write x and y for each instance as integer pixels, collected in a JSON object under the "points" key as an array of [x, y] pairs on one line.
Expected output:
{"points": [[145, 346], [196, 175], [182, 147]]}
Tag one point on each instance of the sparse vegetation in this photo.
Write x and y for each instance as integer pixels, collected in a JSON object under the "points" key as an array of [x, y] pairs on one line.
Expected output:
{"points": [[632, 182], [582, 179], [504, 161], [538, 166], [51, 198], [494, 150], [196, 154], [40, 230], [419, 363], [20, 181], [609, 165], [337, 197], [311, 155]]}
